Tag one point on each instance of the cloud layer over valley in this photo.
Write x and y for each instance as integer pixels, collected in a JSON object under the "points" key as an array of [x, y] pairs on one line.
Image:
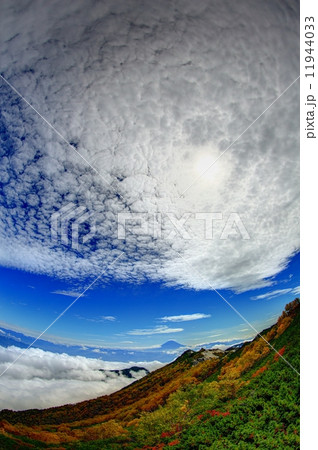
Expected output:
{"points": [[40, 379]]}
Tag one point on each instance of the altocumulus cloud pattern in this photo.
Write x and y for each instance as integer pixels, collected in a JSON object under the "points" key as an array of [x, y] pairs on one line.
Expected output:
{"points": [[150, 93]]}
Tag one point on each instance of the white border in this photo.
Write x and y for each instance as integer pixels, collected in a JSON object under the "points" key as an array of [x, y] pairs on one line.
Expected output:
{"points": [[309, 247]]}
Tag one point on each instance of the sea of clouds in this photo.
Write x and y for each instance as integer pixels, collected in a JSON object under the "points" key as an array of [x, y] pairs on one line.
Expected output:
{"points": [[147, 92], [41, 379]]}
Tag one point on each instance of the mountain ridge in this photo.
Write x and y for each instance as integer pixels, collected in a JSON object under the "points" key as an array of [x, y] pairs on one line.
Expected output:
{"points": [[165, 353]]}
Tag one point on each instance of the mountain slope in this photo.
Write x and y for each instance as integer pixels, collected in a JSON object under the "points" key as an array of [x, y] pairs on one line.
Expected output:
{"points": [[240, 398]]}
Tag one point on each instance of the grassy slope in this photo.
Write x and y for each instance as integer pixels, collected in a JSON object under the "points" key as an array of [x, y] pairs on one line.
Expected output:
{"points": [[246, 399]]}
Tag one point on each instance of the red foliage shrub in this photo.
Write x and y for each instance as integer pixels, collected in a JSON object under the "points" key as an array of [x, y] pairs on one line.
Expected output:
{"points": [[176, 429], [259, 371], [280, 353], [175, 442], [165, 434], [213, 413]]}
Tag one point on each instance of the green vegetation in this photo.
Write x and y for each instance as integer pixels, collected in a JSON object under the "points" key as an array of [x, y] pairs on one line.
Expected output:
{"points": [[244, 399]]}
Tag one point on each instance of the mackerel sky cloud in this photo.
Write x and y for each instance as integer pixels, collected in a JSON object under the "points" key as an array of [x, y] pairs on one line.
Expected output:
{"points": [[148, 97]]}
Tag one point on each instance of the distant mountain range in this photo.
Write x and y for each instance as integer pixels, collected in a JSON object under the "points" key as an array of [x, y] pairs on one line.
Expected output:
{"points": [[165, 353]]}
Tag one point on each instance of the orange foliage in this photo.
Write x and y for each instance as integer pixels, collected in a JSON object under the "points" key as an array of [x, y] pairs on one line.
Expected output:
{"points": [[204, 369], [286, 317], [283, 323], [271, 334], [259, 371], [64, 433], [250, 355]]}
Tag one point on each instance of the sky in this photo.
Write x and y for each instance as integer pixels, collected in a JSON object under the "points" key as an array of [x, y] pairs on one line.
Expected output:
{"points": [[121, 315], [149, 157]]}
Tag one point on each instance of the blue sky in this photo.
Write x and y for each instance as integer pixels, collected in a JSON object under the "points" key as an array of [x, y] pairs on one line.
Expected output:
{"points": [[146, 147], [124, 315]]}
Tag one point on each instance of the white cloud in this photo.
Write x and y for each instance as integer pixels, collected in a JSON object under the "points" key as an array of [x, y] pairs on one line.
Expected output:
{"points": [[296, 290], [40, 379], [68, 293], [185, 317], [277, 293], [147, 100], [98, 319], [156, 330], [9, 335]]}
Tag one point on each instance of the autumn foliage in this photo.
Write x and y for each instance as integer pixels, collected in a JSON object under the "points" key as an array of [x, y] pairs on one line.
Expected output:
{"points": [[246, 395], [259, 371]]}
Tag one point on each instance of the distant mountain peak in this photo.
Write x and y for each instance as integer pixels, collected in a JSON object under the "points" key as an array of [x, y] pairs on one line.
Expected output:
{"points": [[171, 345]]}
